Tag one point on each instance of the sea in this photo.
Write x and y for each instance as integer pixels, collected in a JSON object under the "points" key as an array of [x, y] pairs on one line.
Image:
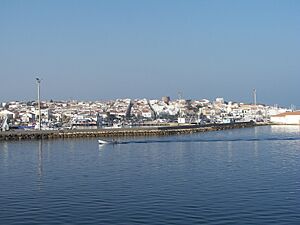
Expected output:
{"points": [[239, 176]]}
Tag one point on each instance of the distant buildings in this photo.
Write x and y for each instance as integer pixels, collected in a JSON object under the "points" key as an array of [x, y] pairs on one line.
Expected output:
{"points": [[141, 109], [136, 112], [286, 118]]}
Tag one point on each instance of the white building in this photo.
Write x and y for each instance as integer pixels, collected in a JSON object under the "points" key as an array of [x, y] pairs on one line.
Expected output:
{"points": [[27, 117], [181, 120], [147, 114], [287, 118]]}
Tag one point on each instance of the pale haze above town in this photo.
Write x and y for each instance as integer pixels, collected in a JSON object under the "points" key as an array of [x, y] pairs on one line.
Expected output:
{"points": [[109, 49]]}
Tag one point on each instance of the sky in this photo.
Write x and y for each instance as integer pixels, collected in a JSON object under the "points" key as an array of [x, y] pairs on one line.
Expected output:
{"points": [[109, 49]]}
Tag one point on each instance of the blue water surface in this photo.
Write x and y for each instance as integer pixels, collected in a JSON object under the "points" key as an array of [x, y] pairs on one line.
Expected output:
{"points": [[241, 176]]}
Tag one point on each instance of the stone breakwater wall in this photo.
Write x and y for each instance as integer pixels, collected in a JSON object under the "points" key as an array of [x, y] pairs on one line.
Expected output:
{"points": [[118, 132]]}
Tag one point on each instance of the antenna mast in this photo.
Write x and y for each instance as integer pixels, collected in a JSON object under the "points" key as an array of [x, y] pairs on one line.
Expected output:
{"points": [[254, 96]]}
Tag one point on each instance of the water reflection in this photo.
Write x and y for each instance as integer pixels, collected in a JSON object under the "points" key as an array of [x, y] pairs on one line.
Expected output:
{"points": [[293, 129], [255, 143], [40, 165], [101, 149], [4, 153], [40, 158], [229, 148]]}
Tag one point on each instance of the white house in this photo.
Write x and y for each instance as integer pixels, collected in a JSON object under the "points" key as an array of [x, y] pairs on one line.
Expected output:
{"points": [[181, 120], [286, 118], [147, 113], [27, 117]]}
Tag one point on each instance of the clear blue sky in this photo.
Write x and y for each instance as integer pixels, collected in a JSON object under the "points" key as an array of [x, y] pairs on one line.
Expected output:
{"points": [[107, 49]]}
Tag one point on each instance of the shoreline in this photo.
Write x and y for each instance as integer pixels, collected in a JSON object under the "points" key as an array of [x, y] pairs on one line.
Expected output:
{"points": [[120, 132]]}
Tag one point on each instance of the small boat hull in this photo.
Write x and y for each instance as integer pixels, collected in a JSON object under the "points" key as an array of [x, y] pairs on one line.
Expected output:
{"points": [[102, 142]]}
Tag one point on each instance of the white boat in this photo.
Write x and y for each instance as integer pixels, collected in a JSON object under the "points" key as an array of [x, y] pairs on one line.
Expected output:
{"points": [[102, 142]]}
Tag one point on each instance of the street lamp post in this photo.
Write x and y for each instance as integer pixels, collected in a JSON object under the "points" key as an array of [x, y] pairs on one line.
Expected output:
{"points": [[254, 96], [38, 81]]}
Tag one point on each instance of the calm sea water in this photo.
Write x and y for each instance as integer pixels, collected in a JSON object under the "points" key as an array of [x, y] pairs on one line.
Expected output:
{"points": [[242, 176]]}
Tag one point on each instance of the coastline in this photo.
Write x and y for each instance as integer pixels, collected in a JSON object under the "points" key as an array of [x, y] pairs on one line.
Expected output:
{"points": [[120, 132]]}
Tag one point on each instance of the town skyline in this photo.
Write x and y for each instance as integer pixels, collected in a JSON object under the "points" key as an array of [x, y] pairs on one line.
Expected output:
{"points": [[122, 113], [179, 95]]}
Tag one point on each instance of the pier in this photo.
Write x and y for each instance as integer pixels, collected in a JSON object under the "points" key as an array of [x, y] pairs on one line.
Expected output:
{"points": [[118, 132]]}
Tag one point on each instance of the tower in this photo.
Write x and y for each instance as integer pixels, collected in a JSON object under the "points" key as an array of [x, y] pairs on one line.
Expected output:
{"points": [[254, 96]]}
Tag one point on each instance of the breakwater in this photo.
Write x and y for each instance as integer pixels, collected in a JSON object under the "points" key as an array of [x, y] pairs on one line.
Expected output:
{"points": [[119, 132]]}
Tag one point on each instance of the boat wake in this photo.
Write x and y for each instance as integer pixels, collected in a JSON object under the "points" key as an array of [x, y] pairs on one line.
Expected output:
{"points": [[209, 140]]}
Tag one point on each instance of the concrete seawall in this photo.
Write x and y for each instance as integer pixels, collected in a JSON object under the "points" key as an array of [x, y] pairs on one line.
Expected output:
{"points": [[118, 132]]}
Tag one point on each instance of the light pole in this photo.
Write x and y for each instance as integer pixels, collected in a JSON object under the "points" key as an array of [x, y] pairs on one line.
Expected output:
{"points": [[254, 96], [38, 81]]}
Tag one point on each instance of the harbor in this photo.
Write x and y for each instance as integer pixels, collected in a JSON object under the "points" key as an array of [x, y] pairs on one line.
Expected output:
{"points": [[119, 132]]}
